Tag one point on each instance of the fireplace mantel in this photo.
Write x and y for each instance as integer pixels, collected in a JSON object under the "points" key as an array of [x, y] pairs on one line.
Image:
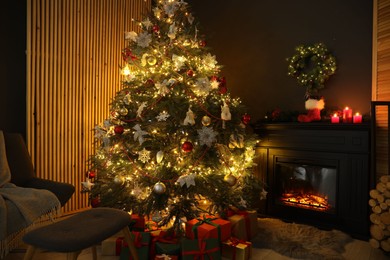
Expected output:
{"points": [[344, 147]]}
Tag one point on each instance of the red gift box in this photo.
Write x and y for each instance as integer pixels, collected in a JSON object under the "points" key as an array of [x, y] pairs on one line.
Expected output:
{"points": [[208, 227], [138, 222]]}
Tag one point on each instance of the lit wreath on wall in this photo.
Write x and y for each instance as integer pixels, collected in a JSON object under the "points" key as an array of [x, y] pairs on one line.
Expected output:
{"points": [[312, 65]]}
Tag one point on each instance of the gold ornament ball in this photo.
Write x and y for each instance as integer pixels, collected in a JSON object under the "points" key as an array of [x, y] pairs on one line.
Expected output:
{"points": [[118, 180], [206, 121], [159, 188], [230, 179], [151, 60], [123, 111]]}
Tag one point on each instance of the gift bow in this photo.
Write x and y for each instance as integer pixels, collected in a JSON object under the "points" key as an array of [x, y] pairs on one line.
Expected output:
{"points": [[234, 243], [206, 220], [165, 257], [199, 254]]}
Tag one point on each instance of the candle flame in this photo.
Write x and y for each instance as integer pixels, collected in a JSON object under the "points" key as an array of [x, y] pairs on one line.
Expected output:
{"points": [[357, 114], [335, 115]]}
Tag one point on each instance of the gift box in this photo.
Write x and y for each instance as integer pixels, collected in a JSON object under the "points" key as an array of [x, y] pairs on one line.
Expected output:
{"points": [[166, 257], [251, 226], [238, 227], [208, 227], [141, 242], [112, 245], [137, 223], [200, 249], [236, 249], [164, 243]]}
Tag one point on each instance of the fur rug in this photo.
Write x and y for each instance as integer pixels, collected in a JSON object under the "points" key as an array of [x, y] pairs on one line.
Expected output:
{"points": [[300, 241]]}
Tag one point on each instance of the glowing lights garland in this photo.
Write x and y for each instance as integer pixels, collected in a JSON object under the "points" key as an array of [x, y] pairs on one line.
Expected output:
{"points": [[311, 65]]}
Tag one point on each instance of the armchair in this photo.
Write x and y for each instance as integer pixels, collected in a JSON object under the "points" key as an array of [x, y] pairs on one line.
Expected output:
{"points": [[20, 207], [22, 171]]}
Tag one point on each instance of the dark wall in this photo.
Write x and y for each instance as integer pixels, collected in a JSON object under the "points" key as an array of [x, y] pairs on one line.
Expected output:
{"points": [[252, 40], [13, 66]]}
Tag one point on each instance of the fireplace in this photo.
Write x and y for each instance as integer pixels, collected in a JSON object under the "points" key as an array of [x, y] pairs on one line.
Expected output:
{"points": [[310, 187], [316, 174]]}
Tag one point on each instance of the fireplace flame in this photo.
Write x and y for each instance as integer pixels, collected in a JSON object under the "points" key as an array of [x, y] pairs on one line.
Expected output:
{"points": [[306, 200]]}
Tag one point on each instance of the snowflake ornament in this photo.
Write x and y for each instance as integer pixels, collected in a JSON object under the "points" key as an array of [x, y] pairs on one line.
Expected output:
{"points": [[202, 86], [144, 155], [178, 61], [144, 39], [170, 7], [163, 116], [209, 61], [207, 136]]}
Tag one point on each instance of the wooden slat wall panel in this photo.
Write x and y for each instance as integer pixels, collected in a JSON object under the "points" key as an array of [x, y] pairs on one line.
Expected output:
{"points": [[73, 72], [381, 81]]}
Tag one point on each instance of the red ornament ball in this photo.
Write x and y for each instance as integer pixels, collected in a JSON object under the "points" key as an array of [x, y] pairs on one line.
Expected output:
{"points": [[95, 202], [246, 119], [156, 29], [222, 89], [190, 73], [118, 129], [150, 82], [202, 43], [91, 174], [187, 147]]}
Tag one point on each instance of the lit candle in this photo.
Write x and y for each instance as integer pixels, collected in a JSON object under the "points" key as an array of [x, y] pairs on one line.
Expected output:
{"points": [[347, 115], [357, 118], [335, 119]]}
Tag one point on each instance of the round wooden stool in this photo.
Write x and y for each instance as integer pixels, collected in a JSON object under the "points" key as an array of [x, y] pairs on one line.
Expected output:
{"points": [[78, 232]]}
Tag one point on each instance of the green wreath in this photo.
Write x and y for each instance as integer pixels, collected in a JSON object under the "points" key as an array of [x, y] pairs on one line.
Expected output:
{"points": [[312, 65]]}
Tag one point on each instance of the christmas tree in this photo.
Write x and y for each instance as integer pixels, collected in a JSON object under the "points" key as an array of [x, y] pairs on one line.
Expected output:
{"points": [[175, 138]]}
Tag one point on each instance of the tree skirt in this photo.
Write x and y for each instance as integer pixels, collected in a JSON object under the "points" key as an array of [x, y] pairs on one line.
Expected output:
{"points": [[300, 241]]}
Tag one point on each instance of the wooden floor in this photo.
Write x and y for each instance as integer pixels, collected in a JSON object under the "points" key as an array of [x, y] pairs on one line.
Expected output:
{"points": [[356, 250]]}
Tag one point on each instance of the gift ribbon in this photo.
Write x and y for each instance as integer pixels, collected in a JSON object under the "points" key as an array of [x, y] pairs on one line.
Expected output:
{"points": [[199, 254], [118, 245], [206, 220]]}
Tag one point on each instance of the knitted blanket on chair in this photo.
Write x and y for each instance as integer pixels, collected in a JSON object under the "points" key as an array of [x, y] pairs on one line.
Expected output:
{"points": [[25, 204]]}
